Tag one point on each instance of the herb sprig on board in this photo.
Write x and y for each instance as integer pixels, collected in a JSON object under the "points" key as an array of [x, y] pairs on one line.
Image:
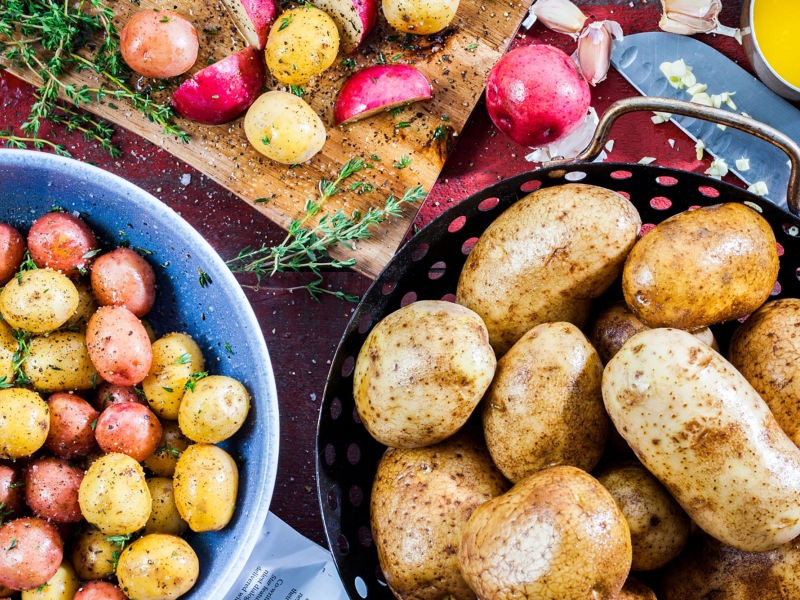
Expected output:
{"points": [[307, 247], [52, 39]]}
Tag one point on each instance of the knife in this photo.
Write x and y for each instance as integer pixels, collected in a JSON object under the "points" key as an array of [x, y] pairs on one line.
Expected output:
{"points": [[638, 58]]}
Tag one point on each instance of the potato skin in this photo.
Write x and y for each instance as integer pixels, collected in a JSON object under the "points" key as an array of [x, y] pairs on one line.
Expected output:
{"points": [[38, 301], [159, 44], [60, 362], [765, 350], [421, 501], [129, 428], [61, 586], [214, 410], [114, 496], [206, 484], [162, 462], [158, 567], [635, 590], [51, 490], [60, 241], [556, 534], [8, 347], [12, 252], [71, 418], [24, 422], [92, 554], [421, 17], [36, 556], [123, 278], [544, 406], [109, 393], [164, 516], [303, 45], [118, 345], [421, 372], [699, 427], [175, 357], [659, 527], [701, 267], [545, 258], [99, 590], [87, 306]]}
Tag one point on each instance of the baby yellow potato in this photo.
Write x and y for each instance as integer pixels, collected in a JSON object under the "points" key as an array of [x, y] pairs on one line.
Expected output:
{"points": [[38, 301], [215, 410], [284, 128], [87, 306], [150, 330], [421, 17], [92, 554], [206, 483], [8, 347], [62, 586], [172, 444], [157, 567], [114, 496], [164, 516], [302, 43], [175, 357], [24, 422], [60, 362]]}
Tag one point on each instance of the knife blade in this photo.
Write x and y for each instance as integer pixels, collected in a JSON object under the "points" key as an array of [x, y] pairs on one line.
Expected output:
{"points": [[638, 58]]}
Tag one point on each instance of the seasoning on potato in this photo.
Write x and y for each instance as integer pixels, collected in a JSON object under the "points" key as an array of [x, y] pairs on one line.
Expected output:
{"points": [[421, 501], [159, 43], [421, 372], [545, 258], [157, 567], [170, 447], [206, 484], [61, 586], [214, 409], [92, 554], [62, 242], [51, 490], [697, 425], [71, 426], [544, 406], [24, 422], [164, 516], [175, 357], [60, 362], [99, 590], [31, 551], [38, 301], [420, 17], [702, 267], [556, 534], [118, 345]]}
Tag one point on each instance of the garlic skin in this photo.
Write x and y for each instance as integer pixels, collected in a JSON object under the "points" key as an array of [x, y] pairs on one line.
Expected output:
{"points": [[688, 17], [561, 16], [593, 55]]}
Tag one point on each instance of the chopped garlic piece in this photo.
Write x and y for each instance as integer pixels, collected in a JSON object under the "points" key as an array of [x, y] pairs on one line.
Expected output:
{"points": [[727, 98], [702, 98], [646, 160], [689, 79], [610, 145], [660, 117], [743, 164], [678, 73], [721, 126], [671, 143], [700, 146], [744, 114], [759, 188], [696, 89], [718, 169], [716, 100]]}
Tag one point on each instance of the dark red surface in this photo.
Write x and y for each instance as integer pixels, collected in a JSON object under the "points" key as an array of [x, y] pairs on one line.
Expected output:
{"points": [[302, 334]]}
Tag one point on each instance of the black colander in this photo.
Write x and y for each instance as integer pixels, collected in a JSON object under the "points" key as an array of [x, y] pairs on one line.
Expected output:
{"points": [[428, 267]]}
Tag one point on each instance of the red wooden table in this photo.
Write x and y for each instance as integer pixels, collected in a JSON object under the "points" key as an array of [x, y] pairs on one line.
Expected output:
{"points": [[302, 334]]}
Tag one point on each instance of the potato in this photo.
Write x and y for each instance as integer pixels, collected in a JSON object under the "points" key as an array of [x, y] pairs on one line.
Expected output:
{"points": [[765, 350], [51, 490], [175, 357], [60, 362], [284, 128], [31, 551], [72, 421], [709, 569], [421, 17], [8, 347], [170, 447], [659, 527], [7, 592], [164, 516], [253, 19], [354, 20], [421, 372], [87, 306], [635, 590], [61, 586], [557, 534], [704, 432], [12, 253], [12, 492], [129, 428], [304, 44], [159, 44], [157, 567], [62, 242], [214, 410], [114, 496], [123, 278], [702, 267], [544, 407], [99, 590], [109, 393], [545, 258], [206, 483], [24, 422], [38, 301], [118, 345], [92, 554], [421, 501]]}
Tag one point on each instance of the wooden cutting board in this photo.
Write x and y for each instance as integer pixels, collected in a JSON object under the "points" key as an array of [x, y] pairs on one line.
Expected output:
{"points": [[456, 63]]}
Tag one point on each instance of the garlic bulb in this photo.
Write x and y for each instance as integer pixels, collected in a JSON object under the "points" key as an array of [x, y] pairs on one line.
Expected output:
{"points": [[559, 15], [594, 50], [688, 17]]}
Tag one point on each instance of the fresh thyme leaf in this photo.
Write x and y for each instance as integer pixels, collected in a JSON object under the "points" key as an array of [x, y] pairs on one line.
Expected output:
{"points": [[4, 384], [193, 379], [27, 265], [285, 22], [403, 162], [402, 125], [169, 390], [211, 31], [396, 57], [167, 449], [164, 19], [446, 118], [13, 545], [205, 278], [397, 110], [229, 348], [440, 133], [23, 339], [92, 253], [119, 540], [17, 485], [94, 425], [261, 201], [381, 60], [375, 157], [298, 90], [183, 359], [4, 513], [348, 63], [42, 587], [472, 47], [265, 140]]}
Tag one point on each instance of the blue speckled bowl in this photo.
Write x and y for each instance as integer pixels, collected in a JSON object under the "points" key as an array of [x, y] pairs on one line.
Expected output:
{"points": [[34, 182]]}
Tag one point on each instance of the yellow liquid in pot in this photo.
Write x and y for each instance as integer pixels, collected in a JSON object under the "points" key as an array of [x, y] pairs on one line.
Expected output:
{"points": [[776, 24]]}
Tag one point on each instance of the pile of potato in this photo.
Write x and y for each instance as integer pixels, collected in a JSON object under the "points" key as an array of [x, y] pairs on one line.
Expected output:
{"points": [[107, 434], [695, 474]]}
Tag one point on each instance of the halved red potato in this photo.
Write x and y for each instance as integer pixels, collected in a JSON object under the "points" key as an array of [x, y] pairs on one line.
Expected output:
{"points": [[354, 19], [379, 88], [253, 19], [223, 91]]}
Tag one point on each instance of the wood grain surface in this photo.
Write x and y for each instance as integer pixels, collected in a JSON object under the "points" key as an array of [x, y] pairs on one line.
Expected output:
{"points": [[456, 63]]}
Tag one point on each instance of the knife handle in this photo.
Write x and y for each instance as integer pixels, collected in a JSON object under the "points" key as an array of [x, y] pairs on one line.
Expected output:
{"points": [[707, 113]]}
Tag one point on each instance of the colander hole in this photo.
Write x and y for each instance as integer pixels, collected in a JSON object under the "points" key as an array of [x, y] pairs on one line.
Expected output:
{"points": [[776, 289], [388, 287], [797, 273], [575, 176], [467, 246], [356, 496], [333, 502], [449, 298], [780, 248], [694, 206], [361, 587], [408, 299], [365, 536], [661, 203], [419, 252], [743, 319], [791, 230], [666, 180], [348, 366], [356, 416], [437, 270], [646, 228], [457, 224], [344, 545], [330, 455], [488, 204], [531, 186], [364, 324], [621, 175], [353, 454], [625, 195], [336, 408], [708, 191], [754, 206]]}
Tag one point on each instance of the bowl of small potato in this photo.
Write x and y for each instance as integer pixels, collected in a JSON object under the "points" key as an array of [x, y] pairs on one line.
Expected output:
{"points": [[138, 411]]}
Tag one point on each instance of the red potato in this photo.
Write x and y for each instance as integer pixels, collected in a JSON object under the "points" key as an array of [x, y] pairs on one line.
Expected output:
{"points": [[378, 88], [128, 428], [71, 420], [253, 19], [30, 553], [536, 95], [99, 590], [354, 19], [51, 490], [223, 91], [12, 251], [118, 345], [61, 242], [123, 278], [159, 44], [108, 394], [12, 494]]}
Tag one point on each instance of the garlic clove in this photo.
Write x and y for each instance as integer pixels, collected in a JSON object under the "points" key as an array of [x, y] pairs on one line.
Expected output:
{"points": [[687, 17], [700, 146], [593, 55], [559, 15]]}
